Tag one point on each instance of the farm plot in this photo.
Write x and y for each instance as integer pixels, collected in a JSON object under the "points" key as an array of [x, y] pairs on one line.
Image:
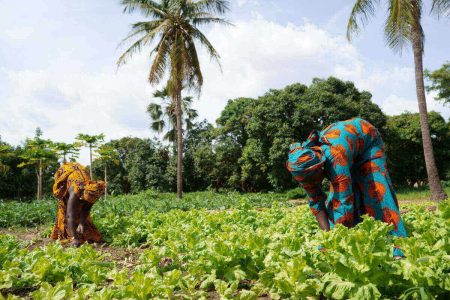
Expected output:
{"points": [[241, 253]]}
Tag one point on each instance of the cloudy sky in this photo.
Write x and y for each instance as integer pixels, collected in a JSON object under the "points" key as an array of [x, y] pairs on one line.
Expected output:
{"points": [[58, 72]]}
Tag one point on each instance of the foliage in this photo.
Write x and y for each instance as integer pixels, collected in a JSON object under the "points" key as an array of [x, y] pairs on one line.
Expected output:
{"points": [[404, 147], [241, 253], [440, 82], [256, 133], [247, 149], [65, 149]]}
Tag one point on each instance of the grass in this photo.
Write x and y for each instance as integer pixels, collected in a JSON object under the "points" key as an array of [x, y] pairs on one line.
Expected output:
{"points": [[419, 194]]}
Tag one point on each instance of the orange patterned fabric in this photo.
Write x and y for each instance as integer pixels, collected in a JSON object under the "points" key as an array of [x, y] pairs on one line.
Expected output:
{"points": [[75, 175]]}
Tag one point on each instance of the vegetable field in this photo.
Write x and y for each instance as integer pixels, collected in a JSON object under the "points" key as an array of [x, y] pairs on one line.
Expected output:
{"points": [[246, 248]]}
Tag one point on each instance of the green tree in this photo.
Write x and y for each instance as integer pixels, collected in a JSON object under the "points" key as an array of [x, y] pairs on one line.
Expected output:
{"points": [[64, 150], [6, 151], [231, 136], [440, 82], [164, 116], [107, 155], [91, 141], [41, 154], [287, 115], [404, 147], [174, 24], [403, 27]]}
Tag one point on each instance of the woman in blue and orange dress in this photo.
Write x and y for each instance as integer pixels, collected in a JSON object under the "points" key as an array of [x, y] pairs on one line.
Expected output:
{"points": [[76, 194], [351, 155]]}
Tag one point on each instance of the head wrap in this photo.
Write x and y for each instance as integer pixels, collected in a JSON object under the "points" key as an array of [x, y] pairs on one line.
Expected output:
{"points": [[306, 159], [93, 190]]}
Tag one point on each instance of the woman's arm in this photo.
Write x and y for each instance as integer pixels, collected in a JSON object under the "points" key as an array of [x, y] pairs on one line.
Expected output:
{"points": [[72, 209], [317, 203], [322, 219], [84, 213]]}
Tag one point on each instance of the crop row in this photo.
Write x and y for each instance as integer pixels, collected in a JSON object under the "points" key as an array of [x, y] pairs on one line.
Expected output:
{"points": [[241, 253]]}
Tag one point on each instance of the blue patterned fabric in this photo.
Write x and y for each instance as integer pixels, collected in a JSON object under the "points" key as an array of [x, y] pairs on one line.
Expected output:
{"points": [[353, 159]]}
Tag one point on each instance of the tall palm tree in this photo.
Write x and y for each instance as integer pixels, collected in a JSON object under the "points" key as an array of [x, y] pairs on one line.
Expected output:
{"points": [[163, 115], [403, 27], [173, 24]]}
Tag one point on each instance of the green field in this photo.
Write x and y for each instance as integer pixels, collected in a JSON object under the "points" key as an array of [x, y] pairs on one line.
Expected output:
{"points": [[221, 246]]}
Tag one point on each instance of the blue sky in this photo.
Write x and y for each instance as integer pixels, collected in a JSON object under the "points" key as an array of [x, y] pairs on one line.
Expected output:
{"points": [[57, 62]]}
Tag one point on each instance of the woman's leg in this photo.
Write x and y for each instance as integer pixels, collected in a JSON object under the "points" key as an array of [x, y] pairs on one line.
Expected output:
{"points": [[380, 200]]}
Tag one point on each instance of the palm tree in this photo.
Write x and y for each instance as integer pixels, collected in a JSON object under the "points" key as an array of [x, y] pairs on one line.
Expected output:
{"points": [[163, 116], [403, 27], [174, 24]]}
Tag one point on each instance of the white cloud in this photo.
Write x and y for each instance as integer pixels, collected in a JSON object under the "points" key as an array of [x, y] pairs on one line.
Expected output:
{"points": [[19, 33], [394, 105]]}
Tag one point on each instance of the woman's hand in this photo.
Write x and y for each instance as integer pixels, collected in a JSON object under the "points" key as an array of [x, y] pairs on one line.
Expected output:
{"points": [[80, 228], [76, 243]]}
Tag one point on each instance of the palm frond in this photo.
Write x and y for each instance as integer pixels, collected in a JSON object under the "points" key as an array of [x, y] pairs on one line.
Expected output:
{"points": [[362, 11], [209, 20], [195, 78], [440, 8], [192, 114], [159, 65], [158, 125], [147, 8], [197, 34], [155, 111], [403, 17], [219, 7], [135, 47]]}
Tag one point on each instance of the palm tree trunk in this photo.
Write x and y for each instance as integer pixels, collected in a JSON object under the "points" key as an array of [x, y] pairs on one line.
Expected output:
{"points": [[90, 162], [106, 180], [437, 193], [179, 145]]}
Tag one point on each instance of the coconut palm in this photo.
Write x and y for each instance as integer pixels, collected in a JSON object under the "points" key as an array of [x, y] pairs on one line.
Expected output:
{"points": [[403, 27], [164, 117], [173, 25]]}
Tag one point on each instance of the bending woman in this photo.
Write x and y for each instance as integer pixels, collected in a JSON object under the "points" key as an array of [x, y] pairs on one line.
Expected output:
{"points": [[351, 155], [76, 194]]}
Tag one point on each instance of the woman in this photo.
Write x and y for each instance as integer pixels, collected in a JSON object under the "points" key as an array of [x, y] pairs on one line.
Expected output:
{"points": [[76, 194], [351, 155]]}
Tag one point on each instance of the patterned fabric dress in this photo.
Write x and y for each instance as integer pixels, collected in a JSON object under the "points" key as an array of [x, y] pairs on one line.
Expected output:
{"points": [[351, 155], [75, 175]]}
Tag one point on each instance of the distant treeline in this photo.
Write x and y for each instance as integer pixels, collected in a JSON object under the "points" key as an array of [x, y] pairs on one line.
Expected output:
{"points": [[247, 149]]}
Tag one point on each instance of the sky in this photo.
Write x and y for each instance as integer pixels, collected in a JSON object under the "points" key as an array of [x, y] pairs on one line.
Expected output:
{"points": [[58, 63]]}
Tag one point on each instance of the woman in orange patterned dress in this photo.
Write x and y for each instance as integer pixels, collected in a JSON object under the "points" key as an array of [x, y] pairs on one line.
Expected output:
{"points": [[76, 194], [351, 155]]}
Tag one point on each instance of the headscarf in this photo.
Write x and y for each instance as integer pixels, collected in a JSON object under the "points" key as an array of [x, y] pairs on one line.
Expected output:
{"points": [[306, 159]]}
